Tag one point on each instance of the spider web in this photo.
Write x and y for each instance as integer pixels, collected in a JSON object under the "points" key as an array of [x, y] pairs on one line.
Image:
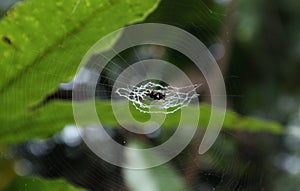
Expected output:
{"points": [[175, 97], [210, 167]]}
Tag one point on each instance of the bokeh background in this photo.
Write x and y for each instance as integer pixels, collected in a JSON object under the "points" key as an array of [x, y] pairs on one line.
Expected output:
{"points": [[257, 46]]}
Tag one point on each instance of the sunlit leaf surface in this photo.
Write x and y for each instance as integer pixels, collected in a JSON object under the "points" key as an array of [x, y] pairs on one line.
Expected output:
{"points": [[41, 45]]}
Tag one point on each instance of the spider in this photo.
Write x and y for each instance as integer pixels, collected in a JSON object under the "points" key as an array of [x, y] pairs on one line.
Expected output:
{"points": [[155, 95]]}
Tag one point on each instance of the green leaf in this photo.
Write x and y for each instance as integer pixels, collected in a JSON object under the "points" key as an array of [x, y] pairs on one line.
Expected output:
{"points": [[163, 177], [39, 184], [42, 44], [54, 116]]}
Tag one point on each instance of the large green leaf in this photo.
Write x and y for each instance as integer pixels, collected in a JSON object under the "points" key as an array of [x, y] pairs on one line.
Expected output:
{"points": [[39, 184], [41, 45]]}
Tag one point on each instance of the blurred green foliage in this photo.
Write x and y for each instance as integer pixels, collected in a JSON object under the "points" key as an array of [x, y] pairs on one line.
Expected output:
{"points": [[38, 184], [162, 177], [41, 44]]}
